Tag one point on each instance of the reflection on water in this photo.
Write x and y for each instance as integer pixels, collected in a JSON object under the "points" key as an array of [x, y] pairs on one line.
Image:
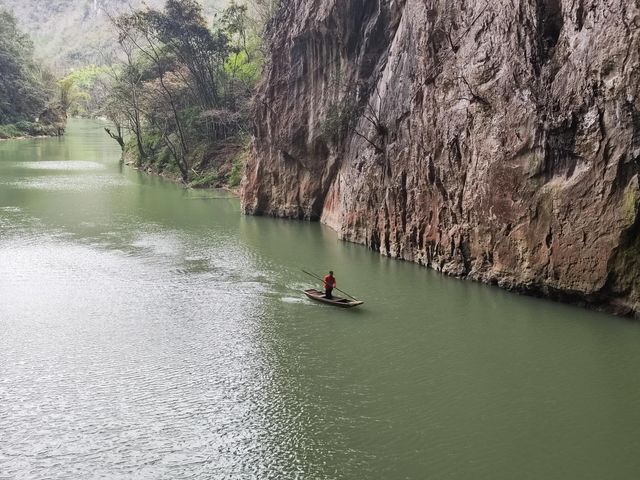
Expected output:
{"points": [[61, 165], [147, 331]]}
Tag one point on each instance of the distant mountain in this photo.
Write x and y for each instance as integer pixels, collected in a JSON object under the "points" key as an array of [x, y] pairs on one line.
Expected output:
{"points": [[73, 33]]}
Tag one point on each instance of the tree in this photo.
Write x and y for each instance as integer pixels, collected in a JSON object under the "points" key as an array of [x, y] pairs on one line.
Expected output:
{"points": [[22, 90], [264, 10], [123, 106], [180, 86]]}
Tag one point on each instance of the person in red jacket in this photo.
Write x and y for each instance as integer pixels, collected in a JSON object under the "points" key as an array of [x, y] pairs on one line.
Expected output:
{"points": [[329, 285]]}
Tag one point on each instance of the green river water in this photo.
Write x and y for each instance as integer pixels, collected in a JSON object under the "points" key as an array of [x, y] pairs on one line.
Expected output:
{"points": [[148, 331]]}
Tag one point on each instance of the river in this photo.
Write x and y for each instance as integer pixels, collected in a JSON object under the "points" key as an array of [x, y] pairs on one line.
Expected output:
{"points": [[148, 331]]}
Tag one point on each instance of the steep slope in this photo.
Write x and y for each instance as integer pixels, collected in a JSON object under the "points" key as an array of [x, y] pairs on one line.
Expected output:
{"points": [[74, 33], [493, 140], [22, 93], [25, 90]]}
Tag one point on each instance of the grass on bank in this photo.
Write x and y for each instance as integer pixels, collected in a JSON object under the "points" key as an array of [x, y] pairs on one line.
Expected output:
{"points": [[25, 129], [213, 164]]}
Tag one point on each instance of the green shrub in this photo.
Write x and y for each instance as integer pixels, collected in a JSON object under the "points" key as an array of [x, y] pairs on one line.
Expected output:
{"points": [[163, 160], [21, 129], [204, 181], [9, 131], [338, 121], [236, 172], [30, 128]]}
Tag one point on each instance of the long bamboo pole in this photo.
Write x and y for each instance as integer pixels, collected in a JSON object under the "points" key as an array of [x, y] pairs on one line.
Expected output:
{"points": [[322, 280]]}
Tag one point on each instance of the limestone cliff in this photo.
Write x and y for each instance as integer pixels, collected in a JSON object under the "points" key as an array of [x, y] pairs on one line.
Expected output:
{"points": [[497, 140]]}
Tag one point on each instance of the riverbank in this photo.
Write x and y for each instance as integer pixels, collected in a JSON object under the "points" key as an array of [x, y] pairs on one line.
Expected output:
{"points": [[219, 166], [24, 138], [52, 122], [28, 130]]}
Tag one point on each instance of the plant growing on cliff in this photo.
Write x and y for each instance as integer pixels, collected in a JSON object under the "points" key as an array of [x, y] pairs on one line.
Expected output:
{"points": [[371, 113], [237, 171], [342, 118], [338, 121]]}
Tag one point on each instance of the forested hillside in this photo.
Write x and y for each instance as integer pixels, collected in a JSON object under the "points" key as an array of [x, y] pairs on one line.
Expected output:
{"points": [[175, 77], [180, 85], [25, 87], [74, 33]]}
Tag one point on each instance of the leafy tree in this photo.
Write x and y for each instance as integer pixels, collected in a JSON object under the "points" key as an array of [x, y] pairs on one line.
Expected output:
{"points": [[82, 91], [181, 86], [22, 88], [183, 31], [56, 26], [244, 63], [264, 10], [123, 104]]}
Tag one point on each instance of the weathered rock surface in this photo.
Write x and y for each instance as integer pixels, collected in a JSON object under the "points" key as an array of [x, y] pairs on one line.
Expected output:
{"points": [[495, 140], [53, 120]]}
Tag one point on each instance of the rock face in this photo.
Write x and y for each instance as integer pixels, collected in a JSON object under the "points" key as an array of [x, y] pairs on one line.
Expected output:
{"points": [[54, 120], [496, 140]]}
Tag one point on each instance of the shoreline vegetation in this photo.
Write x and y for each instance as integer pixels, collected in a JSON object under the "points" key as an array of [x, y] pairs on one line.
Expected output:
{"points": [[25, 130], [28, 104], [22, 137], [179, 90], [174, 81], [220, 167]]}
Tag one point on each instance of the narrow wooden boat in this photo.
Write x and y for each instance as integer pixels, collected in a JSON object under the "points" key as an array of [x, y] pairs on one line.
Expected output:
{"points": [[318, 296]]}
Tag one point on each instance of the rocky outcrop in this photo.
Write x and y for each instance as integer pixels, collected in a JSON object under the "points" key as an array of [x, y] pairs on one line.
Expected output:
{"points": [[53, 120], [493, 140]]}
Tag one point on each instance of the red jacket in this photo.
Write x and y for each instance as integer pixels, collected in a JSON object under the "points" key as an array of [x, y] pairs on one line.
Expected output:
{"points": [[329, 281]]}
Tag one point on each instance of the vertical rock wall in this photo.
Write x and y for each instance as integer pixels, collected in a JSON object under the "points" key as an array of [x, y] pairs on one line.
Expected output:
{"points": [[495, 140]]}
